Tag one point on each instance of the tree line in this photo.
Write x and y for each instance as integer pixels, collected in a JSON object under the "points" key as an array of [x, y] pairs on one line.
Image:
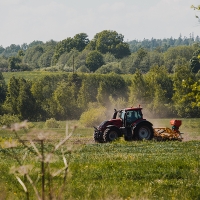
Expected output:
{"points": [[106, 52], [65, 96]]}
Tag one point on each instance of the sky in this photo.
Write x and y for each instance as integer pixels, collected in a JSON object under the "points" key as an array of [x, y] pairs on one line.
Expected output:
{"points": [[23, 21]]}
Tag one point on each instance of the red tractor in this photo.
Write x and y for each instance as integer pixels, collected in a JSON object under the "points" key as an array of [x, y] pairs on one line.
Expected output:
{"points": [[129, 123], [132, 126]]}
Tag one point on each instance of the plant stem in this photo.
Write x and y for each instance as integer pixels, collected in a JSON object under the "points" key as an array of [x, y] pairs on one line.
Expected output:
{"points": [[42, 169]]}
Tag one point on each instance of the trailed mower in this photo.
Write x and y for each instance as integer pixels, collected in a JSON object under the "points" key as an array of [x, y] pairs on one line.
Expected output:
{"points": [[130, 124]]}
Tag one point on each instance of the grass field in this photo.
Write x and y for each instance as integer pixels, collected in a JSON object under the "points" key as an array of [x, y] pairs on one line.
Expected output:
{"points": [[29, 75], [118, 170]]}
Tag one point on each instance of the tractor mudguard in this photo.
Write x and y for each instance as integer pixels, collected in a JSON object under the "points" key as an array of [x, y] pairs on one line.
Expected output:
{"points": [[135, 124]]}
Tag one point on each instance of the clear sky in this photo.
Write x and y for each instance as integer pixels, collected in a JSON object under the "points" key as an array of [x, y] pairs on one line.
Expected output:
{"points": [[23, 21]]}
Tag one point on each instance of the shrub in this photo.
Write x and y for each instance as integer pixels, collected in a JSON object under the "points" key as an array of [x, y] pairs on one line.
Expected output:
{"points": [[30, 125], [83, 69], [51, 123], [7, 119], [93, 117]]}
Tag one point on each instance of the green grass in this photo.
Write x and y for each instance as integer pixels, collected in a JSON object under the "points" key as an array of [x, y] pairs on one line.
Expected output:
{"points": [[29, 75], [118, 170], [137, 170]]}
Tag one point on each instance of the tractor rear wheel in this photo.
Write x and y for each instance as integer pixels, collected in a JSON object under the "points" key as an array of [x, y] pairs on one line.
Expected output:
{"points": [[110, 134], [143, 131]]}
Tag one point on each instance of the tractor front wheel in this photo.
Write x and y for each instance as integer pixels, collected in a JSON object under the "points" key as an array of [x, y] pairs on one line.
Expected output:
{"points": [[110, 134], [143, 132], [97, 137]]}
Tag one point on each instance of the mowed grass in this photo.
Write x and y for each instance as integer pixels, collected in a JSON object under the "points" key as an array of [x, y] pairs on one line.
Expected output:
{"points": [[118, 170]]}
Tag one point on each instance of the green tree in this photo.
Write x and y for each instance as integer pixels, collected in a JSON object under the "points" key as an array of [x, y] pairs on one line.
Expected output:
{"points": [[33, 55], [138, 90], [45, 58], [111, 85], [195, 61], [64, 97], [112, 42], [4, 63], [159, 91], [94, 60], [26, 105], [139, 62], [3, 90], [88, 90], [184, 96], [80, 41], [14, 63], [12, 96], [42, 91], [1, 49], [109, 68], [176, 53], [11, 50]]}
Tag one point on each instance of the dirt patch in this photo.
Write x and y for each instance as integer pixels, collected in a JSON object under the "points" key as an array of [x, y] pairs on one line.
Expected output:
{"points": [[187, 137]]}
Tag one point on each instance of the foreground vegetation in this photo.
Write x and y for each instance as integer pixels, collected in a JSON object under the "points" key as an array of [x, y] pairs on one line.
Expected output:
{"points": [[119, 170]]}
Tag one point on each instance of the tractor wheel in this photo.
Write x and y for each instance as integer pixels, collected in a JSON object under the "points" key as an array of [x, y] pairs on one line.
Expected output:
{"points": [[110, 134], [143, 131], [97, 138]]}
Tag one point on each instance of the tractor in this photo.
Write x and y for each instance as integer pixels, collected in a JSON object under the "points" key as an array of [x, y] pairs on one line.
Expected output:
{"points": [[130, 124]]}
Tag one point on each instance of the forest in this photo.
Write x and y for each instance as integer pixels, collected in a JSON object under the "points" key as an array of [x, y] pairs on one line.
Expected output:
{"points": [[161, 75]]}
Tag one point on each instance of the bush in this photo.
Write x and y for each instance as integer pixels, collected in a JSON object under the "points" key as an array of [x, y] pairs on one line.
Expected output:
{"points": [[7, 120], [93, 117], [51, 123], [83, 69], [109, 68], [30, 125]]}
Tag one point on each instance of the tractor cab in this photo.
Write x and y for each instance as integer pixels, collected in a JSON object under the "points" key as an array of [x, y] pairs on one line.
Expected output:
{"points": [[130, 115]]}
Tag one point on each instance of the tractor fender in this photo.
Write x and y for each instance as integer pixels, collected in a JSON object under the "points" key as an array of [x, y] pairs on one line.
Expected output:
{"points": [[141, 122]]}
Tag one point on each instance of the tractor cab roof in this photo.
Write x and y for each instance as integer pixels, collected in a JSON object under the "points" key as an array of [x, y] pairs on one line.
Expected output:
{"points": [[133, 108]]}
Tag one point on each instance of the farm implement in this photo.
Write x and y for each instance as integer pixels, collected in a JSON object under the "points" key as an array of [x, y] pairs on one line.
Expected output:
{"points": [[130, 124]]}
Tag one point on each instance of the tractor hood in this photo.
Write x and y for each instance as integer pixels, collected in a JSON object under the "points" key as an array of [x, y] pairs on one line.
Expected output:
{"points": [[112, 122]]}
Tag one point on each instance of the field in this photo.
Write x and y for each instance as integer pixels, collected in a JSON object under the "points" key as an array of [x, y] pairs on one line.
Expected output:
{"points": [[118, 170], [32, 75]]}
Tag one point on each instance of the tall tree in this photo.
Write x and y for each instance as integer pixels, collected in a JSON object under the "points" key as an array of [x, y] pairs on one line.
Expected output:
{"points": [[195, 61], [159, 91], [26, 105], [112, 42], [12, 95], [78, 42], [3, 90], [64, 97], [184, 97], [138, 89]]}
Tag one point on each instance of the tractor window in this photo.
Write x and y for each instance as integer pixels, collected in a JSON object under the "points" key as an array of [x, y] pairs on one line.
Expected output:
{"points": [[133, 115], [121, 115]]}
